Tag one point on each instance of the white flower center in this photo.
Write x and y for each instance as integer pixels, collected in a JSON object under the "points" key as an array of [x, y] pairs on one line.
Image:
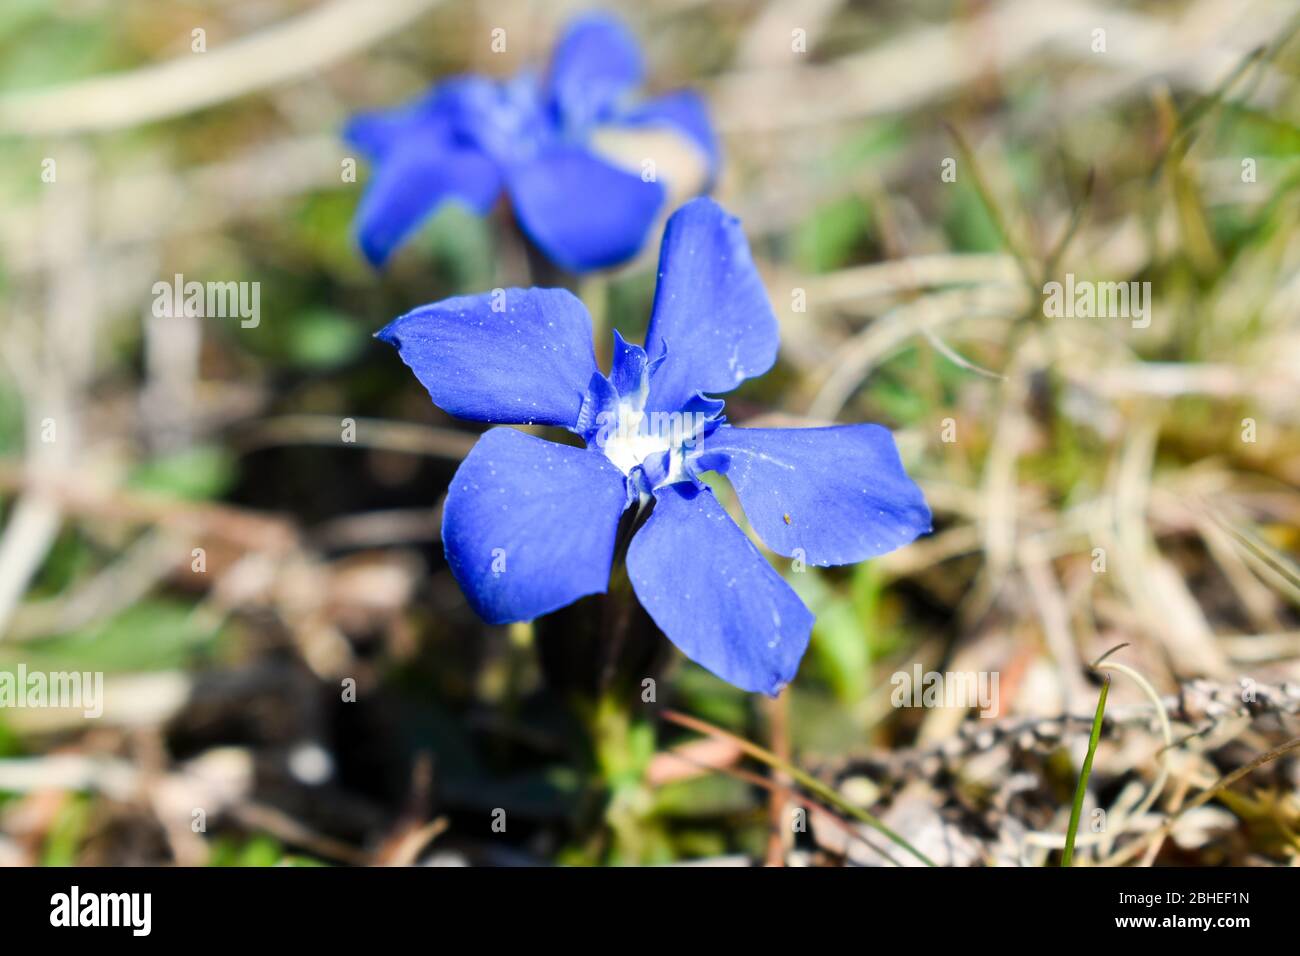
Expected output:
{"points": [[635, 437], [629, 443]]}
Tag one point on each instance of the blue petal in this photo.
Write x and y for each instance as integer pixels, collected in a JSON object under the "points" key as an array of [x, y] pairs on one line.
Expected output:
{"points": [[459, 110], [834, 495], [685, 111], [599, 408], [595, 62], [411, 181], [713, 594], [504, 119], [529, 360], [710, 308], [627, 367], [529, 525], [377, 132], [581, 211]]}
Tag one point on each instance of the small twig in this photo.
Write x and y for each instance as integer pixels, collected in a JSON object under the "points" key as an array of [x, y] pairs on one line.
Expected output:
{"points": [[269, 57], [991, 207], [786, 795], [377, 433], [807, 781], [1202, 798], [778, 711]]}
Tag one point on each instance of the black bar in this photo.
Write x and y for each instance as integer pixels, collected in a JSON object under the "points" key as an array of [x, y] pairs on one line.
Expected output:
{"points": [[438, 905]]}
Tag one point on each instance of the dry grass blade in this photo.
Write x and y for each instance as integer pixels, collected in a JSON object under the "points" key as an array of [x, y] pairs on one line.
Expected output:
{"points": [[804, 780]]}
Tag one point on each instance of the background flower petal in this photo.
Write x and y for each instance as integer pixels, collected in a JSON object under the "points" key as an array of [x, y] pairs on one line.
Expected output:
{"points": [[458, 110], [710, 308], [595, 62], [583, 212], [377, 132], [714, 595], [529, 525], [411, 181], [837, 494], [527, 362], [686, 112]]}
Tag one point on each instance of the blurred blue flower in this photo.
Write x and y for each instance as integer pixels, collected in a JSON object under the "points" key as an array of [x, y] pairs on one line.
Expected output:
{"points": [[471, 136], [529, 525]]}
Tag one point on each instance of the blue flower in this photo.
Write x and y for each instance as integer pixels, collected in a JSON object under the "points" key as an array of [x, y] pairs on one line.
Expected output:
{"points": [[470, 137], [529, 525]]}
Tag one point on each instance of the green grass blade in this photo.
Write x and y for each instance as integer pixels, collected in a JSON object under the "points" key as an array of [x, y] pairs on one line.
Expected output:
{"points": [[1077, 810]]}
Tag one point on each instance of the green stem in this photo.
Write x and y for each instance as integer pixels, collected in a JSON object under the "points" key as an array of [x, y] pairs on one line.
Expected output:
{"points": [[1077, 810], [623, 746]]}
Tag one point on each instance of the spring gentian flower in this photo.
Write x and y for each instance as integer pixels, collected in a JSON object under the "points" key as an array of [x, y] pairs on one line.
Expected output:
{"points": [[471, 136], [529, 525]]}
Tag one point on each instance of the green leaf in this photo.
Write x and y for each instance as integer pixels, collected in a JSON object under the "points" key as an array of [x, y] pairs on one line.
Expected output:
{"points": [[151, 635], [711, 795], [66, 833], [461, 244], [195, 474], [323, 339], [256, 851], [828, 239]]}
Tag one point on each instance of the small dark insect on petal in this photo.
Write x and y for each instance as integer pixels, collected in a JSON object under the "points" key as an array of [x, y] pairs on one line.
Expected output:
{"points": [[786, 516]]}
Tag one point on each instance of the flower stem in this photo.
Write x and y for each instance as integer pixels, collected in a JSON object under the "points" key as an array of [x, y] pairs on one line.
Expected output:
{"points": [[622, 746]]}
